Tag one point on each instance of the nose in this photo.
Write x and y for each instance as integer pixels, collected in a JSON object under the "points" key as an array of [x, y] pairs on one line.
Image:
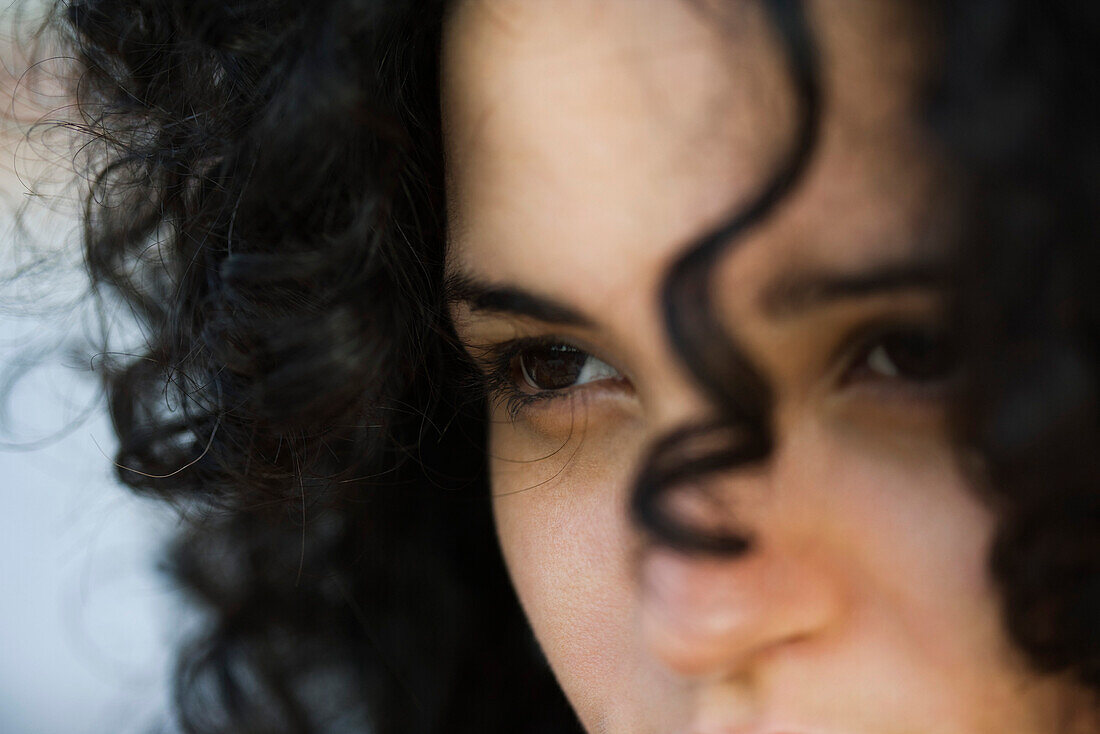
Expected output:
{"points": [[707, 616]]}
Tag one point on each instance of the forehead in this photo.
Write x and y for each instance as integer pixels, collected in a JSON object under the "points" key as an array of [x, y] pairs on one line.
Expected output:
{"points": [[588, 141]]}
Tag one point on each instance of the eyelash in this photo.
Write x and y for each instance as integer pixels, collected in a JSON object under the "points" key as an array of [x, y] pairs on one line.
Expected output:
{"points": [[499, 368], [498, 365], [862, 347]]}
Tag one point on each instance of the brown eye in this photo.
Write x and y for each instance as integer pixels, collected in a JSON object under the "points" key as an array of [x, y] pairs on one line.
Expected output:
{"points": [[557, 367], [913, 355]]}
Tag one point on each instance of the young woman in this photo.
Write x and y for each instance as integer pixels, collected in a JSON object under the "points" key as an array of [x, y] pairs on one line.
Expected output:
{"points": [[760, 337]]}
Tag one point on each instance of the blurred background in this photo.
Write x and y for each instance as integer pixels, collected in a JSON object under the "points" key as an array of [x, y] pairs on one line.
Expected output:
{"points": [[87, 624]]}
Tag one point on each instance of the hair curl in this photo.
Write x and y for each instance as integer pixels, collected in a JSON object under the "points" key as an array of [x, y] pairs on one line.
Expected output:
{"points": [[267, 198], [1012, 106]]}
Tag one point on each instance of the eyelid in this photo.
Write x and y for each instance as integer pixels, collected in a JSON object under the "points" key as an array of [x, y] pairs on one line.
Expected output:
{"points": [[544, 340], [587, 367], [493, 361], [855, 340], [858, 346], [515, 345]]}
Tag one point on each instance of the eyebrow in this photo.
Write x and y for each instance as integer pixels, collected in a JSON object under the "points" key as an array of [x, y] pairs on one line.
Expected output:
{"points": [[510, 300], [793, 293], [788, 295]]}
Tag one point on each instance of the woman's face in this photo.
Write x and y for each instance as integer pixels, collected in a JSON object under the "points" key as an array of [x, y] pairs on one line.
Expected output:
{"points": [[588, 142]]}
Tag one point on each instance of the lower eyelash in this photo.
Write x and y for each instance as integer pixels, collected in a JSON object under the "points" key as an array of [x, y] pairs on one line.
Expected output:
{"points": [[499, 383], [515, 402]]}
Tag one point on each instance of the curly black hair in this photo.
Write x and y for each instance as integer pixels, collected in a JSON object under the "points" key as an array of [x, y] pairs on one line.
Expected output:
{"points": [[1011, 106], [267, 197]]}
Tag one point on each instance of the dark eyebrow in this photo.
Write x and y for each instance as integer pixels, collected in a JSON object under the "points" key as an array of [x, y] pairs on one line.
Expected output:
{"points": [[793, 293], [508, 299], [790, 294]]}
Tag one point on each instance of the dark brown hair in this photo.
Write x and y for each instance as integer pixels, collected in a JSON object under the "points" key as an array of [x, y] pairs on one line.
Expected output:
{"points": [[270, 206]]}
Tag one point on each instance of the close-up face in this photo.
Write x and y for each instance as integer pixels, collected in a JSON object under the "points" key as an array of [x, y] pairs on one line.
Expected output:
{"points": [[588, 144]]}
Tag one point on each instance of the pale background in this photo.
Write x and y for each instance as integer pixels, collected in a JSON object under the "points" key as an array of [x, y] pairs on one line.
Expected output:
{"points": [[87, 625]]}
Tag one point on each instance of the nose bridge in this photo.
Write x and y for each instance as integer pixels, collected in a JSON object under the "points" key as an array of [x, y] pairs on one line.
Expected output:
{"points": [[677, 400], [705, 616]]}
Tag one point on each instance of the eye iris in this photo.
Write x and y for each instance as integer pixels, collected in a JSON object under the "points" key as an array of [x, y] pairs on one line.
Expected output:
{"points": [[918, 356], [551, 368]]}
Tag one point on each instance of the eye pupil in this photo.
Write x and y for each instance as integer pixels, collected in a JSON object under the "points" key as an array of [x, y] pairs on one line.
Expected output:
{"points": [[552, 367]]}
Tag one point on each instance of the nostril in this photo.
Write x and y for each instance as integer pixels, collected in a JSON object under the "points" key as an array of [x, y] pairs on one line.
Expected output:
{"points": [[727, 707]]}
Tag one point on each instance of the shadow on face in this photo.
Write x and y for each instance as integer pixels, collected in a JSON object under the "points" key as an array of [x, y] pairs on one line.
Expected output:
{"points": [[588, 144]]}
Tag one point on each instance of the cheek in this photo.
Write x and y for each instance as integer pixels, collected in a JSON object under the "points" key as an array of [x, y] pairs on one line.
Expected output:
{"points": [[884, 516], [563, 530], [895, 509], [899, 524]]}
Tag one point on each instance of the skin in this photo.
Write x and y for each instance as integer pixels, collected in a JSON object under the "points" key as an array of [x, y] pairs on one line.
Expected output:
{"points": [[588, 142]]}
